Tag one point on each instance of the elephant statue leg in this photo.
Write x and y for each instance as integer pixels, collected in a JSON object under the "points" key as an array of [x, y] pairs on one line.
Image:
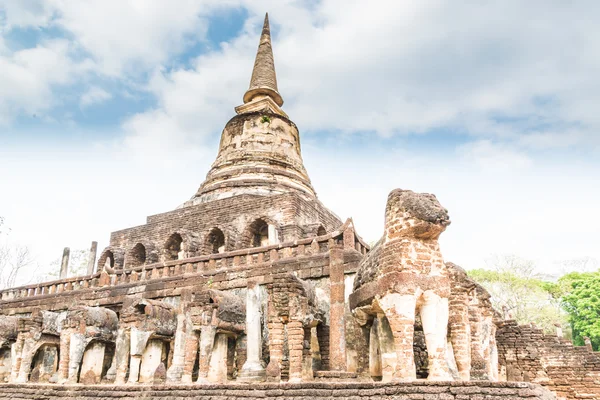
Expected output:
{"points": [[400, 312], [434, 316]]}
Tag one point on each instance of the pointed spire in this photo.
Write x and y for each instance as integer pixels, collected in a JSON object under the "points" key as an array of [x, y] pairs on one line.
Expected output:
{"points": [[264, 80]]}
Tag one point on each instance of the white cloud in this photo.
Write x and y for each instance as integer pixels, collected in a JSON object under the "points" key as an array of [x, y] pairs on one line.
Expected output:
{"points": [[488, 155], [94, 95], [29, 77]]}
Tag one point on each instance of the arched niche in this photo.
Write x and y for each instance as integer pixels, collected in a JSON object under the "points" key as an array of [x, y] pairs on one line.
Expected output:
{"points": [[173, 248], [321, 231], [261, 232], [137, 256], [215, 241], [44, 363]]}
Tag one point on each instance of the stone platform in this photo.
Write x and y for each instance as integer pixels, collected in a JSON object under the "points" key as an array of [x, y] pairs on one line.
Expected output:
{"points": [[315, 391]]}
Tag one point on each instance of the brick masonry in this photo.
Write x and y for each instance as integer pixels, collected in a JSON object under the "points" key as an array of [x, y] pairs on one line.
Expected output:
{"points": [[316, 391], [527, 354]]}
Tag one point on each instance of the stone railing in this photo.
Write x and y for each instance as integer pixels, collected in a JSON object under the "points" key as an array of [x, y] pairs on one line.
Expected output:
{"points": [[206, 265]]}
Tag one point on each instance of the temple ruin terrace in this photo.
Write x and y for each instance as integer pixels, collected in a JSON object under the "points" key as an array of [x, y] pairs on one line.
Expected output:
{"points": [[254, 288]]}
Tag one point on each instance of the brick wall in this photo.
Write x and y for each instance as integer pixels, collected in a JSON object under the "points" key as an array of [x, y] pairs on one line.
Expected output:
{"points": [[293, 216], [314, 391], [527, 354]]}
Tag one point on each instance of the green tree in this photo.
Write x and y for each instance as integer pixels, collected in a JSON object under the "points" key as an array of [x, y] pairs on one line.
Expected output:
{"points": [[580, 296], [516, 289]]}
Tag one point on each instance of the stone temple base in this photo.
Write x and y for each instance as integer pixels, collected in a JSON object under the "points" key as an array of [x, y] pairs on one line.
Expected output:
{"points": [[300, 391]]}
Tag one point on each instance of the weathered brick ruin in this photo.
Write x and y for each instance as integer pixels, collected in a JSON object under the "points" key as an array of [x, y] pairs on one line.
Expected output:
{"points": [[253, 288]]}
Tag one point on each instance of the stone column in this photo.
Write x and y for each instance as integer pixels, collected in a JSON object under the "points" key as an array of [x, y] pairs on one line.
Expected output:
{"points": [[191, 352], [26, 359], [64, 265], [253, 369], [92, 258], [323, 340], [375, 370], [151, 359], [460, 334], [139, 339], [206, 344], [387, 348], [337, 326], [121, 355], [295, 345], [478, 368], [17, 357], [14, 361], [92, 363], [175, 372], [307, 356], [217, 371], [63, 361], [76, 349], [275, 346], [272, 234]]}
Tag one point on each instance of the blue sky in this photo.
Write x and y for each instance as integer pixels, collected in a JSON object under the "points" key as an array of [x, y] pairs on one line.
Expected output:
{"points": [[112, 110]]}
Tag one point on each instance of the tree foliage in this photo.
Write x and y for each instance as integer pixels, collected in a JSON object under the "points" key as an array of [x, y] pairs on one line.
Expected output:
{"points": [[517, 290], [580, 296]]}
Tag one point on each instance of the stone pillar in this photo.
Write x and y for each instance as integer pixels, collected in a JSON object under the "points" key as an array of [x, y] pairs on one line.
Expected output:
{"points": [[273, 236], [389, 356], [92, 363], [151, 359], [295, 346], [14, 361], [275, 345], [138, 341], [191, 352], [337, 326], [375, 370], [26, 358], [92, 258], [63, 362], [76, 349], [478, 367], [64, 265], [588, 343], [206, 344], [175, 372], [323, 340], [559, 331], [17, 352], [121, 355], [460, 334], [217, 371], [307, 356], [253, 369]]}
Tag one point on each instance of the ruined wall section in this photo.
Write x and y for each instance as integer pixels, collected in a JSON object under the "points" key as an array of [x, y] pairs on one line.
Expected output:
{"points": [[292, 216], [527, 354]]}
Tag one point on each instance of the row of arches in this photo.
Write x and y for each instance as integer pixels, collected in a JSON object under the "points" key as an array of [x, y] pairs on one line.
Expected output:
{"points": [[184, 244]]}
